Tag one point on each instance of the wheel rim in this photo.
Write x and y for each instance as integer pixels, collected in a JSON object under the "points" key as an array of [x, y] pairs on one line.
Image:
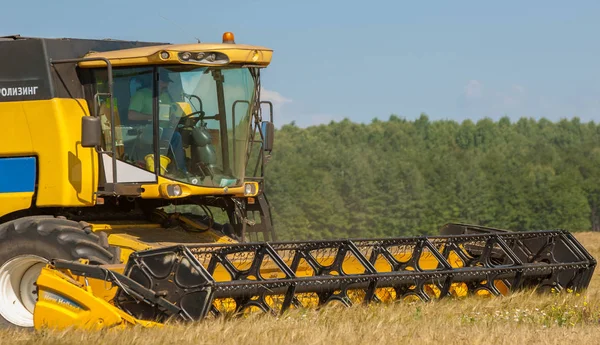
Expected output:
{"points": [[17, 288]]}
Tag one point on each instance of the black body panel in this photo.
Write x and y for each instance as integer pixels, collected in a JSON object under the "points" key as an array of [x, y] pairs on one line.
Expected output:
{"points": [[27, 74]]}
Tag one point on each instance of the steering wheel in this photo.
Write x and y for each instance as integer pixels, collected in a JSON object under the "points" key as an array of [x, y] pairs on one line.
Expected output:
{"points": [[200, 112], [183, 121]]}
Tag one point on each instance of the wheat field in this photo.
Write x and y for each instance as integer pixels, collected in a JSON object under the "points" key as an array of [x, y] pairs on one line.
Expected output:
{"points": [[521, 318]]}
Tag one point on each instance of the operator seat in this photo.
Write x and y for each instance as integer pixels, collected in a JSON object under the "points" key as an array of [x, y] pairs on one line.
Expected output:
{"points": [[204, 153]]}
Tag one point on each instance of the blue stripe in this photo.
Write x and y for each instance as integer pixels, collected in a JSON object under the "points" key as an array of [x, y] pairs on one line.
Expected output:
{"points": [[17, 174]]}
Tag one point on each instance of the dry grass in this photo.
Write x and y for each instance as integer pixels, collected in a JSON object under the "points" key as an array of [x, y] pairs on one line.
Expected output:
{"points": [[522, 318]]}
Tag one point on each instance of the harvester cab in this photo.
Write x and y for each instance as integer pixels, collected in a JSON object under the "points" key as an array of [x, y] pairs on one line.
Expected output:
{"points": [[182, 122], [132, 178]]}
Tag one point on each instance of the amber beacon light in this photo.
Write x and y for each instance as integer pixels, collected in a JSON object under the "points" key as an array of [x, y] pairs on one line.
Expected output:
{"points": [[228, 38]]}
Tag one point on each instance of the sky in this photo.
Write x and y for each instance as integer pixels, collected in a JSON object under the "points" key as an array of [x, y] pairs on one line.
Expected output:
{"points": [[369, 59]]}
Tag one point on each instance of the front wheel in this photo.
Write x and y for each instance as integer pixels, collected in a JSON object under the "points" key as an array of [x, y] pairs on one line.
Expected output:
{"points": [[26, 246]]}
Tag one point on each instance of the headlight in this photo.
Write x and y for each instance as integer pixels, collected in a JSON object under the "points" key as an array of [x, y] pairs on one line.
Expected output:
{"points": [[174, 190], [213, 58], [250, 189]]}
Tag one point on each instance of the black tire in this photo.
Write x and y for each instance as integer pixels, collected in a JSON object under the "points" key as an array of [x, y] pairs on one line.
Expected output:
{"points": [[53, 238]]}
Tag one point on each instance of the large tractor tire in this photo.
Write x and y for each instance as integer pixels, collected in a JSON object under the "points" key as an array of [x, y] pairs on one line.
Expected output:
{"points": [[26, 245]]}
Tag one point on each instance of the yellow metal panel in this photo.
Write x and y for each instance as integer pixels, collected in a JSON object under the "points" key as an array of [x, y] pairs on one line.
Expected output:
{"points": [[132, 237], [67, 172], [11, 202], [16, 140], [237, 54], [152, 191], [127, 244], [101, 288], [63, 303]]}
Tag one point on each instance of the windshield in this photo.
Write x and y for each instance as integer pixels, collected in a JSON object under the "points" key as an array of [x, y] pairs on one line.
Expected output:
{"points": [[190, 124]]}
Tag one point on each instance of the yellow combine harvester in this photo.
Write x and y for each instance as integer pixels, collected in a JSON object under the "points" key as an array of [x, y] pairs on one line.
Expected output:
{"points": [[132, 192]]}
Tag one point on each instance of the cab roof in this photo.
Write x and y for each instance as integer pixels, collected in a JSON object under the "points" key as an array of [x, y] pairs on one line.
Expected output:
{"points": [[236, 54]]}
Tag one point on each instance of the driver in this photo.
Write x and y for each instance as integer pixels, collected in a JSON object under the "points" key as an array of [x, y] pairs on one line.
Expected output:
{"points": [[140, 112]]}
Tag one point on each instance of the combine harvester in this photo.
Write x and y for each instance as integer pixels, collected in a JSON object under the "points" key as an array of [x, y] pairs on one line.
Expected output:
{"points": [[132, 193]]}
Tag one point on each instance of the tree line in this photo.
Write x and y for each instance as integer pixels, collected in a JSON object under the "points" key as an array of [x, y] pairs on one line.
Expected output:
{"points": [[401, 177]]}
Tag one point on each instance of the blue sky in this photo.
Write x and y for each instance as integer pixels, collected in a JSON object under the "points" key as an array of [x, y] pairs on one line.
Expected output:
{"points": [[369, 59]]}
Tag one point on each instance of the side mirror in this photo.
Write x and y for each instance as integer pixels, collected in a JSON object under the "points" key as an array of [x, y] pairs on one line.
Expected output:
{"points": [[91, 131], [268, 132]]}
